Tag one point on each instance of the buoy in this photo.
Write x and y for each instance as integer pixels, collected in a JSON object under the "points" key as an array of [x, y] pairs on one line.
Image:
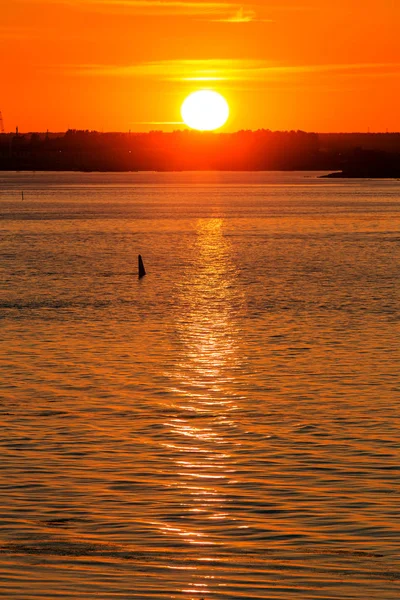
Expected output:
{"points": [[142, 270]]}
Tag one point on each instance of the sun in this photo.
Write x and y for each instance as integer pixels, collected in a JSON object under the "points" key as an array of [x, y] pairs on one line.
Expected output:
{"points": [[205, 110]]}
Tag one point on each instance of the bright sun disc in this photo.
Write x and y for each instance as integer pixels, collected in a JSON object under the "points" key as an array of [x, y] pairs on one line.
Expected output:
{"points": [[205, 110]]}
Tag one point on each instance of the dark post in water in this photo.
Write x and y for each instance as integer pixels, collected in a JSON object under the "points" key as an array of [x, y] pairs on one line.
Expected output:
{"points": [[142, 270]]}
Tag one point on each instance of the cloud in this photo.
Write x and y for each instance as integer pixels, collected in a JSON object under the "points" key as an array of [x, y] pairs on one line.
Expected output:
{"points": [[170, 70], [223, 11], [240, 16], [157, 123], [243, 15], [219, 11], [149, 7], [231, 70]]}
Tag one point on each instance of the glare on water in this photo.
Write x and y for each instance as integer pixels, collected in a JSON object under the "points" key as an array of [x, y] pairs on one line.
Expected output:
{"points": [[225, 427]]}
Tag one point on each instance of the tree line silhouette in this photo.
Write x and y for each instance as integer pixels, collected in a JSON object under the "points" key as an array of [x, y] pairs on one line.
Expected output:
{"points": [[81, 150]]}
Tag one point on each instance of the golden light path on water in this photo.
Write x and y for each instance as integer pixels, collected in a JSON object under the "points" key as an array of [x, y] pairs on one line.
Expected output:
{"points": [[201, 384]]}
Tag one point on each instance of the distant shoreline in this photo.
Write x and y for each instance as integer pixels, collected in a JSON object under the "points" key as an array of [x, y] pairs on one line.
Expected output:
{"points": [[345, 155], [324, 174], [360, 175]]}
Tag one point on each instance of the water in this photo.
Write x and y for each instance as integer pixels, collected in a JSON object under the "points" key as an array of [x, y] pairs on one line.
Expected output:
{"points": [[225, 428]]}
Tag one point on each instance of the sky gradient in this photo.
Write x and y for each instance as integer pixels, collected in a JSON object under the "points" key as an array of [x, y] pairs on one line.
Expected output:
{"points": [[119, 65]]}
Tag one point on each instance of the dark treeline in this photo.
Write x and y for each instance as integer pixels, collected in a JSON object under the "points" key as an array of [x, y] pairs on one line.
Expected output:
{"points": [[191, 150]]}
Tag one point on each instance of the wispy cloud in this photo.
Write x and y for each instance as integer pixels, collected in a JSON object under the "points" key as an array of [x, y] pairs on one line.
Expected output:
{"points": [[240, 16], [170, 70], [150, 7], [218, 11], [223, 11], [157, 123], [231, 70], [243, 15]]}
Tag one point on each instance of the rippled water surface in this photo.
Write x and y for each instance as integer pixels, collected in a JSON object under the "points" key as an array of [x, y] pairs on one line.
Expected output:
{"points": [[226, 427]]}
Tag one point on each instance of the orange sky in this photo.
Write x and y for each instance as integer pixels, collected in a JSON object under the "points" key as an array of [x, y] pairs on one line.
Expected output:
{"points": [[115, 65]]}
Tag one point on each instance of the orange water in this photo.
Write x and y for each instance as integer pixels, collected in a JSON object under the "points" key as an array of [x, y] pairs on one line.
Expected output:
{"points": [[225, 428]]}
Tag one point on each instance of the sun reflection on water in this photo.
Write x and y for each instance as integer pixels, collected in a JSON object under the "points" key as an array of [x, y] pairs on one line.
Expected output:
{"points": [[204, 402]]}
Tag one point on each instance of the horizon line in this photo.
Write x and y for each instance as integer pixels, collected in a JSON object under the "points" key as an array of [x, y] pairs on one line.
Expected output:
{"points": [[194, 131]]}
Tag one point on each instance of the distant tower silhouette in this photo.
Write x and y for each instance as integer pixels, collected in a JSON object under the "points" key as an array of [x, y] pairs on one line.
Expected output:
{"points": [[1, 123]]}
